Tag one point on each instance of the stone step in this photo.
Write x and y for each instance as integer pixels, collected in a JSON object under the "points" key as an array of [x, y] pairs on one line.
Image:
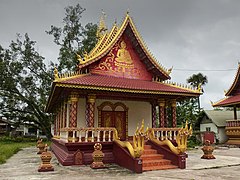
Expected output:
{"points": [[151, 156], [150, 151], [152, 160], [152, 168], [160, 162], [147, 146]]}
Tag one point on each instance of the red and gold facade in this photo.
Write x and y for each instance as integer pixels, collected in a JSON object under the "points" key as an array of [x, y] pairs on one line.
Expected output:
{"points": [[232, 99], [118, 84], [119, 69]]}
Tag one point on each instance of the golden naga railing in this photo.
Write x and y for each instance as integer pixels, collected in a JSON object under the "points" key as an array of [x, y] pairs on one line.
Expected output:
{"points": [[137, 147], [163, 136]]}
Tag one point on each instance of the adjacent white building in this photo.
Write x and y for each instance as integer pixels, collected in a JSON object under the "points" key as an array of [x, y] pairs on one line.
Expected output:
{"points": [[215, 121]]}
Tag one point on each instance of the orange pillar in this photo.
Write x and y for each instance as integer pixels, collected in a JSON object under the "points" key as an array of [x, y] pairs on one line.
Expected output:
{"points": [[161, 112], [90, 109]]}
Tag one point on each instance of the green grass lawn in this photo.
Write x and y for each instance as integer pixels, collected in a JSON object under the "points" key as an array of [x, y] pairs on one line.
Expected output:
{"points": [[10, 146], [7, 149]]}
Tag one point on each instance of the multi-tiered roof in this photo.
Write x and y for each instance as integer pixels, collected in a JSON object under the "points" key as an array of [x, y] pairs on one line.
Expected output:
{"points": [[232, 96], [103, 69]]}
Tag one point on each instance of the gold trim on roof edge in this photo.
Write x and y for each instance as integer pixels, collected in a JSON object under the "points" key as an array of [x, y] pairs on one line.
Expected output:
{"points": [[50, 99], [234, 82], [59, 84], [182, 86], [66, 76], [219, 101], [124, 90], [105, 44], [225, 105]]}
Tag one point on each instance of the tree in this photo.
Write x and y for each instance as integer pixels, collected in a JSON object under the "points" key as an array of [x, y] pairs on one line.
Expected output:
{"points": [[73, 38], [24, 84], [25, 80], [187, 111], [197, 80]]}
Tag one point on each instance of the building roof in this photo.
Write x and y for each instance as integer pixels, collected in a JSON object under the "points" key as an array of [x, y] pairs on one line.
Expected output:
{"points": [[108, 40], [233, 94], [101, 70], [228, 101], [100, 82], [235, 87], [219, 117], [116, 84]]}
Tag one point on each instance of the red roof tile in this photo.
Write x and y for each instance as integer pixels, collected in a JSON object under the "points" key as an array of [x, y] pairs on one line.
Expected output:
{"points": [[231, 100], [123, 83]]}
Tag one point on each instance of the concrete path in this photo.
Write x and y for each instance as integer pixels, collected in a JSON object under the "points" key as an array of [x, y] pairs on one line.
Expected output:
{"points": [[24, 165]]}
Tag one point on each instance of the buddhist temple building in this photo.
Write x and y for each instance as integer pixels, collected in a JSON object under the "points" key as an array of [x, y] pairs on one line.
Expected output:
{"points": [[118, 84], [232, 99]]}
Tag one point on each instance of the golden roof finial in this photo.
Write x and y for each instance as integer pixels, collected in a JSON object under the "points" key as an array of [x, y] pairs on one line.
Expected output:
{"points": [[56, 76], [102, 28], [170, 70], [85, 54], [211, 102], [79, 58]]}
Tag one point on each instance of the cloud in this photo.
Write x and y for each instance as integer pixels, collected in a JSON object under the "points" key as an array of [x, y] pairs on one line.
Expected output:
{"points": [[186, 34]]}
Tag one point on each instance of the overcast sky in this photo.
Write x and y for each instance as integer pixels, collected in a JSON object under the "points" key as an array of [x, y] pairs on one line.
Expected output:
{"points": [[197, 35]]}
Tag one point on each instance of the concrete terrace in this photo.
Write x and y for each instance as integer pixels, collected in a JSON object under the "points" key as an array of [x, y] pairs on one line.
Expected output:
{"points": [[24, 165]]}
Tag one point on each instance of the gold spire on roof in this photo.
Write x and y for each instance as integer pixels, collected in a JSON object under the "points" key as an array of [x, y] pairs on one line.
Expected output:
{"points": [[79, 58], [56, 75], [102, 28], [107, 39]]}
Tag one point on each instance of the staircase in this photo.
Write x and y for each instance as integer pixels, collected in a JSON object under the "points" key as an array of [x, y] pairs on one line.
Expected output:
{"points": [[152, 160]]}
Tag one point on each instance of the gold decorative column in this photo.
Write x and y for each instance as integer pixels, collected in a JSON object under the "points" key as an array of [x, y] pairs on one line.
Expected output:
{"points": [[161, 112], [73, 111], [90, 109], [174, 112]]}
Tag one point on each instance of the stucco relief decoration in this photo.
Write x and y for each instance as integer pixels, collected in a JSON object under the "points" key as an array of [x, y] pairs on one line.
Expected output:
{"points": [[121, 62]]}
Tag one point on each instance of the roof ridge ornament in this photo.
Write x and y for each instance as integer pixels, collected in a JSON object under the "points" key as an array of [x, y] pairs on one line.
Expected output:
{"points": [[56, 75], [79, 58], [102, 28]]}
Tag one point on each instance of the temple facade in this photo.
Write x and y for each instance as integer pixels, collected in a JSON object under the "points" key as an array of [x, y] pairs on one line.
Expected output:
{"points": [[118, 84], [232, 99]]}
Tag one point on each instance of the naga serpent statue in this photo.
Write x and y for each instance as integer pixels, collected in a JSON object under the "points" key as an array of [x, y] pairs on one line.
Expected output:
{"points": [[181, 139], [136, 150]]}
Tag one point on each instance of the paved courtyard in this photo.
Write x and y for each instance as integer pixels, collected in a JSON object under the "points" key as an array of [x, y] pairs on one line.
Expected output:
{"points": [[24, 165]]}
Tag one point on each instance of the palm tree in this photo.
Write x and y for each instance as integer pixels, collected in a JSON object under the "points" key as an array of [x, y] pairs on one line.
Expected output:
{"points": [[197, 80]]}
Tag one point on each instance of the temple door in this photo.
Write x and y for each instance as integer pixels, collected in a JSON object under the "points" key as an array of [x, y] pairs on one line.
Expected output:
{"points": [[115, 119]]}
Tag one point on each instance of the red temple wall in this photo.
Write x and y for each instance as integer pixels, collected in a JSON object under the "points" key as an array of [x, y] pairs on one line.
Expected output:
{"points": [[122, 62]]}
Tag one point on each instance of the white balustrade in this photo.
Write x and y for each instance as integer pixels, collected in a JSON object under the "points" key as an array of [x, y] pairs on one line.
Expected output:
{"points": [[104, 133], [98, 136], [101, 134], [166, 133], [109, 136]]}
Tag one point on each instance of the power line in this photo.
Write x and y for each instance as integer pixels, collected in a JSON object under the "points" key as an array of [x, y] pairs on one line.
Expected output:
{"points": [[177, 69]]}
